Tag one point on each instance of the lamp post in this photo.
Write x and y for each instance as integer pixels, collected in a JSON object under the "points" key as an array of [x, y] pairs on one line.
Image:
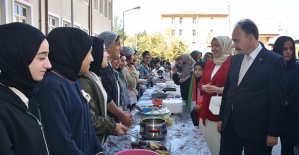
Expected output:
{"points": [[123, 38]]}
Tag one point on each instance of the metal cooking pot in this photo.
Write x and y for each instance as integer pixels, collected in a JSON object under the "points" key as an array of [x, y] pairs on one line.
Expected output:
{"points": [[153, 129], [159, 95]]}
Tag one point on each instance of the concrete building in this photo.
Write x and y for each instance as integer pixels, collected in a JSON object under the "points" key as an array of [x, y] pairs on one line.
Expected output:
{"points": [[196, 28], [92, 16]]}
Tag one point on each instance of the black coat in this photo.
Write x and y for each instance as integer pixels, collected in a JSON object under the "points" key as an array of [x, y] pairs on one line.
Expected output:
{"points": [[290, 131], [184, 86], [258, 101], [20, 130]]}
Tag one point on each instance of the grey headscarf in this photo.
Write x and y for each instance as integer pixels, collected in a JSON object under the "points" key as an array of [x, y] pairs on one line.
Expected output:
{"points": [[128, 50], [109, 38]]}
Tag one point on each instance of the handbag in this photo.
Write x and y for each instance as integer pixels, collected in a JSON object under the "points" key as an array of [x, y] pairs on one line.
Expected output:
{"points": [[215, 104]]}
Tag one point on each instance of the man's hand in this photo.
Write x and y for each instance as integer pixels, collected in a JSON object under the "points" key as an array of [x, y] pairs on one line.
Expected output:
{"points": [[219, 126], [120, 129], [127, 119], [271, 141], [196, 108]]}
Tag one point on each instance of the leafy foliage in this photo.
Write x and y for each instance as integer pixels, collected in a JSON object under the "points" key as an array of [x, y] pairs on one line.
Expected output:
{"points": [[160, 45], [118, 27]]}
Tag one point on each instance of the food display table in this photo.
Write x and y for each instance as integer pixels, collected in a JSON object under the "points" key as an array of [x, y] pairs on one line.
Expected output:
{"points": [[184, 138]]}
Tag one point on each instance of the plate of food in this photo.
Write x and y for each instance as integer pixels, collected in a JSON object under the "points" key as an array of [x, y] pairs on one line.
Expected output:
{"points": [[160, 147]]}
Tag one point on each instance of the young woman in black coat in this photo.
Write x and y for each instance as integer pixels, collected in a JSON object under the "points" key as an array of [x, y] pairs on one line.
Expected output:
{"points": [[23, 61], [285, 47]]}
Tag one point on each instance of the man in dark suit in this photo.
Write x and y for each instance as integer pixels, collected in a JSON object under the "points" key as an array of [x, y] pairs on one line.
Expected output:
{"points": [[253, 100]]}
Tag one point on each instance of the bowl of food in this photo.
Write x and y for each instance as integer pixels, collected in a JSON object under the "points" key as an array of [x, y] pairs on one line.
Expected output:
{"points": [[136, 152]]}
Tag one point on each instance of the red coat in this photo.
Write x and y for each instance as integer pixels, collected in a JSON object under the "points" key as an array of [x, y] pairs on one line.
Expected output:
{"points": [[218, 80]]}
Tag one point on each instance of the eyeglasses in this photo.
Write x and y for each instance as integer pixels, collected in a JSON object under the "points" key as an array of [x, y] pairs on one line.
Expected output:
{"points": [[147, 57], [237, 41]]}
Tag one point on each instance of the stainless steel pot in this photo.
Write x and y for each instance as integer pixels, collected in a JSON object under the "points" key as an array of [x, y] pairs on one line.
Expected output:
{"points": [[153, 129]]}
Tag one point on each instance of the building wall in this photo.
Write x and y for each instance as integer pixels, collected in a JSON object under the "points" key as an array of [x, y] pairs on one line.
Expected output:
{"points": [[205, 27], [59, 14]]}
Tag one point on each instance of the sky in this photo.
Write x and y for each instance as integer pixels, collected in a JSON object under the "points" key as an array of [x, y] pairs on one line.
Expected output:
{"points": [[148, 17]]}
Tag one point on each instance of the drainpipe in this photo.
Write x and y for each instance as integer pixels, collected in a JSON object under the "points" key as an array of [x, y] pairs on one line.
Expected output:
{"points": [[89, 17], [40, 14], [91, 10], [72, 13], [46, 18]]}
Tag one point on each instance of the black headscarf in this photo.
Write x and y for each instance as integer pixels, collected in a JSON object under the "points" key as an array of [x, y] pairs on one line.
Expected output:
{"points": [[97, 54], [68, 48], [279, 47], [202, 64], [19, 44]]}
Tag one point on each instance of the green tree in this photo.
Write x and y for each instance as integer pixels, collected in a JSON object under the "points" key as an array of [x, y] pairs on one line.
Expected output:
{"points": [[160, 45], [118, 27]]}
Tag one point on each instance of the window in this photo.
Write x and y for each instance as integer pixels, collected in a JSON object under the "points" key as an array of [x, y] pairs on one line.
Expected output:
{"points": [[86, 1], [172, 32], [101, 6], [172, 20], [96, 5], [193, 32], [77, 26], [194, 20], [181, 20], [20, 13], [66, 24], [181, 32], [109, 10], [86, 30], [105, 8], [53, 23]]}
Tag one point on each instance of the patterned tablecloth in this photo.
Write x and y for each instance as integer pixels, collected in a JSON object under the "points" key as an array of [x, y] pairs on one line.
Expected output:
{"points": [[184, 138]]}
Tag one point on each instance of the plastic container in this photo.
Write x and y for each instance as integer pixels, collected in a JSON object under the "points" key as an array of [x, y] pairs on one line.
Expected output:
{"points": [[136, 152]]}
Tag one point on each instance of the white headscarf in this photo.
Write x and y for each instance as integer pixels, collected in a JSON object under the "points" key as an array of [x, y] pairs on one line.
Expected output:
{"points": [[227, 49]]}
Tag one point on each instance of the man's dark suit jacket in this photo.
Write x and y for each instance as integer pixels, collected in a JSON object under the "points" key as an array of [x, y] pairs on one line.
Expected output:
{"points": [[258, 101]]}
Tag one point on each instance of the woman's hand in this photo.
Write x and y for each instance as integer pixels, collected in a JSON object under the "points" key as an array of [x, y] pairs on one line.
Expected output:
{"points": [[210, 89], [196, 108], [174, 70]]}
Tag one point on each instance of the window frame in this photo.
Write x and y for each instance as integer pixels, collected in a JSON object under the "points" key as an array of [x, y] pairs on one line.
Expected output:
{"points": [[193, 32], [181, 21], [194, 20], [17, 16], [180, 32], [96, 3]]}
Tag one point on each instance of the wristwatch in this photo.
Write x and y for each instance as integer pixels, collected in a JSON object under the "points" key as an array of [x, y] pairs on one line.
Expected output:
{"points": [[217, 91]]}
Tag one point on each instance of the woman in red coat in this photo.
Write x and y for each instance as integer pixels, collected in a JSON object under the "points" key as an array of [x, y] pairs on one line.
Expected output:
{"points": [[211, 83]]}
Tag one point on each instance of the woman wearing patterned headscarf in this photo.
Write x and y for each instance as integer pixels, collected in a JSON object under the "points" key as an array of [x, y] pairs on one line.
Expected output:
{"points": [[64, 105], [196, 55], [212, 83], [207, 57], [186, 62], [23, 62]]}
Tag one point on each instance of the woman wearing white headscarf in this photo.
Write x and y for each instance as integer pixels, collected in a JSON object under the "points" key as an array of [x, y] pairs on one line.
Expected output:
{"points": [[212, 83]]}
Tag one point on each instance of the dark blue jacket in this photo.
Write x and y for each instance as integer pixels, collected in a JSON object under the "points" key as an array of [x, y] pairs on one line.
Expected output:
{"points": [[20, 129], [66, 116]]}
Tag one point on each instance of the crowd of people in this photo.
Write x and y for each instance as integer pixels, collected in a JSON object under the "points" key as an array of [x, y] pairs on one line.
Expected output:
{"points": [[64, 93]]}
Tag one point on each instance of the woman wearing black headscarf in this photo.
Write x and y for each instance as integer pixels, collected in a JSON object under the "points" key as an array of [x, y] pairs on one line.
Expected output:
{"points": [[63, 103], [285, 47], [92, 84], [23, 61]]}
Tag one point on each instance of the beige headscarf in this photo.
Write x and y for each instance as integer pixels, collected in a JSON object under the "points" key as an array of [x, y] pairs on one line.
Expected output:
{"points": [[227, 49]]}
